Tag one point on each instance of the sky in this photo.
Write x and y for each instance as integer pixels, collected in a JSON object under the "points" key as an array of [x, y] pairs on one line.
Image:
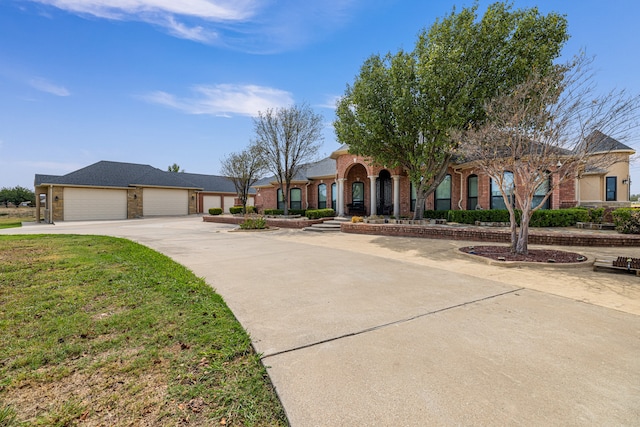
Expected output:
{"points": [[159, 82]]}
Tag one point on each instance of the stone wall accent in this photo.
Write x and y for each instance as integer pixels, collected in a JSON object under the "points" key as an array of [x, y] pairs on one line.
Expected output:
{"points": [[193, 202], [57, 204], [134, 203]]}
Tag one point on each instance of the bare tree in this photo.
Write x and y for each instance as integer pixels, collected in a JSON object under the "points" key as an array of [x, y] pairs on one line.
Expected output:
{"points": [[244, 169], [288, 138], [551, 126]]}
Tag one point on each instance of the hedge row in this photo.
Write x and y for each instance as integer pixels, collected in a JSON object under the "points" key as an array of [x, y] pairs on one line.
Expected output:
{"points": [[300, 212], [540, 218], [215, 211], [319, 213], [238, 209]]}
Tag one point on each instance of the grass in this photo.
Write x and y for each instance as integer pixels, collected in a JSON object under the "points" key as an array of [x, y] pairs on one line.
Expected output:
{"points": [[14, 217], [103, 331]]}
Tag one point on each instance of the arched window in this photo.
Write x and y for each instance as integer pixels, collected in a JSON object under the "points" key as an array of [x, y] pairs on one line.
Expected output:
{"points": [[443, 195], [322, 196], [334, 193], [295, 201], [497, 202], [540, 192], [472, 192], [280, 199]]}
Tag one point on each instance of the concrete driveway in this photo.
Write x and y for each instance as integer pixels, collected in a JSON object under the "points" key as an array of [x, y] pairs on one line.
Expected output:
{"points": [[370, 330]]}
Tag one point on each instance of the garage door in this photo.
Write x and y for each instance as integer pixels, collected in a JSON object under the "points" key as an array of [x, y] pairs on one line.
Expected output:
{"points": [[161, 201], [228, 203], [89, 204], [209, 202]]}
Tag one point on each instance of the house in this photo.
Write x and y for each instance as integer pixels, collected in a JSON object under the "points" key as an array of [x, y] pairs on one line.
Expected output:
{"points": [[113, 190], [353, 186]]}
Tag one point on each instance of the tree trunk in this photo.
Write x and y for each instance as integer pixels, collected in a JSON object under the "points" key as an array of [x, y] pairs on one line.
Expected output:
{"points": [[418, 214], [522, 245], [514, 230]]}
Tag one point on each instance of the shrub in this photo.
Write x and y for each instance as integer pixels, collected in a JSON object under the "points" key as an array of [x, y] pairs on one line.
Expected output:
{"points": [[596, 215], [281, 212], [215, 211], [257, 223], [431, 214], [355, 219], [238, 209], [627, 220], [540, 218], [320, 213]]}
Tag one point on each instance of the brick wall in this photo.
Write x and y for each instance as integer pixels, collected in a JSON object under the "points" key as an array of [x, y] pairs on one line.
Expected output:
{"points": [[134, 203], [479, 234]]}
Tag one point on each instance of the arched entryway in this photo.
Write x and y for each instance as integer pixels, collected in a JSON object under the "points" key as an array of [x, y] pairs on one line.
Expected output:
{"points": [[384, 199]]}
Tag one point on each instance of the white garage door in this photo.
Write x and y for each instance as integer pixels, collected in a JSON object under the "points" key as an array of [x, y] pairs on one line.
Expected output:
{"points": [[89, 204], [228, 203], [209, 202], [161, 201]]}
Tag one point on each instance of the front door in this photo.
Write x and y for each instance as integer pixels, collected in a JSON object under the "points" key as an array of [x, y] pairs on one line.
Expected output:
{"points": [[383, 193]]}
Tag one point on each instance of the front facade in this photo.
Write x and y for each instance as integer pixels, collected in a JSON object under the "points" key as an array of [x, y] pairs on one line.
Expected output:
{"points": [[115, 190], [356, 187]]}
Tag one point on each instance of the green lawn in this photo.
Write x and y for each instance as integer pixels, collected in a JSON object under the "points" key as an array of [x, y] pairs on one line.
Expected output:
{"points": [[104, 331]]}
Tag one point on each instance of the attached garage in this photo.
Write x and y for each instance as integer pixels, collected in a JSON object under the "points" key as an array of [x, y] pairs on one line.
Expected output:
{"points": [[90, 204], [228, 203], [164, 202]]}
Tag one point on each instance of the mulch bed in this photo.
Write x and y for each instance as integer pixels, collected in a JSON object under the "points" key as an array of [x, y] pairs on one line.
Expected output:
{"points": [[503, 253]]}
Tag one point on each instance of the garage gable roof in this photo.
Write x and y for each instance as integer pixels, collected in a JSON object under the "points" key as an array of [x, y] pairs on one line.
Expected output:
{"points": [[118, 174], [212, 183]]}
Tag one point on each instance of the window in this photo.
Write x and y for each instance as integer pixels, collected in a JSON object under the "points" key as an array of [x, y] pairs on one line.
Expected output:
{"points": [[542, 191], [443, 195], [296, 199], [472, 192], [414, 196], [322, 196], [497, 202], [334, 193], [612, 190], [280, 200], [357, 194]]}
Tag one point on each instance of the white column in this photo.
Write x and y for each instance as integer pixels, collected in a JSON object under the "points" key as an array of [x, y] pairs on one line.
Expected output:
{"points": [[372, 195], [340, 198], [396, 196]]}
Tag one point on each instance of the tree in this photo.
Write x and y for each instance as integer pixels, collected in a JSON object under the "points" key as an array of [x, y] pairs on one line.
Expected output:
{"points": [[544, 131], [244, 169], [402, 108], [174, 168], [287, 139], [16, 195]]}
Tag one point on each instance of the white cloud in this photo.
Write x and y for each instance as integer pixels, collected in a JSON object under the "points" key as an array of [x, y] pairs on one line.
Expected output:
{"points": [[45, 85], [224, 100], [330, 102], [255, 26]]}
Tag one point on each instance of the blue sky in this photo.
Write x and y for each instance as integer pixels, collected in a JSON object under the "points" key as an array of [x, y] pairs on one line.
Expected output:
{"points": [[164, 81]]}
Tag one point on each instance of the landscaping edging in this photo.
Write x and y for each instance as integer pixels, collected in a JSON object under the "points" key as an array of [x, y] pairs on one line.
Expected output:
{"points": [[587, 263], [491, 235], [271, 222]]}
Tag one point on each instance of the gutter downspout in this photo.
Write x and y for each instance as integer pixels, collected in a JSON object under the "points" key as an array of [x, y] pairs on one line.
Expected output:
{"points": [[50, 203], [306, 190]]}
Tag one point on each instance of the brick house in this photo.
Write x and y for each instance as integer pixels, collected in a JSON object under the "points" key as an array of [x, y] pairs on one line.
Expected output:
{"points": [[353, 186]]}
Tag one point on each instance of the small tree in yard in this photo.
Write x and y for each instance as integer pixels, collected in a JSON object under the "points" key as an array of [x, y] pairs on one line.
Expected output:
{"points": [[16, 195], [287, 139], [550, 125], [244, 169]]}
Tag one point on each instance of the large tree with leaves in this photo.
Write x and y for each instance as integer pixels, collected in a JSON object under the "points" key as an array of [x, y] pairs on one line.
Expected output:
{"points": [[402, 108], [544, 131], [16, 195], [244, 169], [287, 139]]}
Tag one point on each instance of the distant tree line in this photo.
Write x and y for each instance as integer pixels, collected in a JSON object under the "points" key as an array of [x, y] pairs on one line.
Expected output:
{"points": [[16, 195]]}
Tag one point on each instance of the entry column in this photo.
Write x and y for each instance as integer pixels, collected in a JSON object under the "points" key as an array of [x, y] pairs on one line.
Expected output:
{"points": [[396, 196], [372, 195], [340, 198]]}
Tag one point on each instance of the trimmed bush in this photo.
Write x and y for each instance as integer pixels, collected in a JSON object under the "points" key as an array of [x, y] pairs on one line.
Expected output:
{"points": [[540, 218], [300, 212], [320, 213], [257, 223], [627, 220], [238, 209], [215, 211], [431, 214]]}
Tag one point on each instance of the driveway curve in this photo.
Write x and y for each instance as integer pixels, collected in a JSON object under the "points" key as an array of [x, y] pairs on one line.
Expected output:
{"points": [[370, 330]]}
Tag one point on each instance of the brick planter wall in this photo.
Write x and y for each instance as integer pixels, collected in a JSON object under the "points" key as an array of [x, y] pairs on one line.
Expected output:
{"points": [[478, 234], [271, 222]]}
